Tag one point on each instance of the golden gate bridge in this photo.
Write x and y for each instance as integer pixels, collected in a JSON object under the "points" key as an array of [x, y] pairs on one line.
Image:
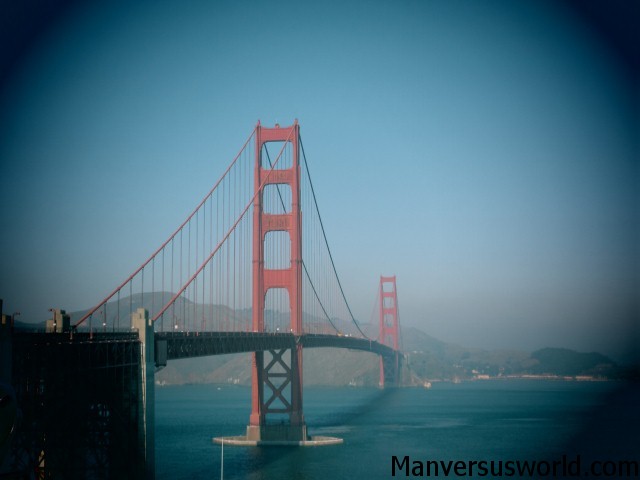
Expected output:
{"points": [[249, 270]]}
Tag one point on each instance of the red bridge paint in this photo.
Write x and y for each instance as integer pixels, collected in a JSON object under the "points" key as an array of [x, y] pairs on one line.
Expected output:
{"points": [[278, 373], [389, 328]]}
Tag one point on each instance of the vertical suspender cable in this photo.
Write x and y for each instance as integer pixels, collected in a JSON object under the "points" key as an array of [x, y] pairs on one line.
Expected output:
{"points": [[326, 242]]}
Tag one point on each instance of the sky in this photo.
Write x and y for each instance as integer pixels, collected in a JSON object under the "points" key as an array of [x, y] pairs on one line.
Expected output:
{"points": [[485, 153]]}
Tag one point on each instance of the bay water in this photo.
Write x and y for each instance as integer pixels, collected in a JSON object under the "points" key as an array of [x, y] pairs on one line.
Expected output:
{"points": [[481, 420]]}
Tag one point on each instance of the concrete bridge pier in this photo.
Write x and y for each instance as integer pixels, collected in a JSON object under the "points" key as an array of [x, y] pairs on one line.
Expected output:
{"points": [[146, 388]]}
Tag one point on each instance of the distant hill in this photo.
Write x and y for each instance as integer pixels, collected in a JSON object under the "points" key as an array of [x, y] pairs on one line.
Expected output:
{"points": [[427, 358], [432, 359], [562, 361]]}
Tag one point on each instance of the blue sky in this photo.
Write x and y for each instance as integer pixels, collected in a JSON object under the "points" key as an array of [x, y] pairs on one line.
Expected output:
{"points": [[484, 152]]}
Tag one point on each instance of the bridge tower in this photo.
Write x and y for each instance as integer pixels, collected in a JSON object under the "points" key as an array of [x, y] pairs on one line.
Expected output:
{"points": [[389, 333], [277, 382]]}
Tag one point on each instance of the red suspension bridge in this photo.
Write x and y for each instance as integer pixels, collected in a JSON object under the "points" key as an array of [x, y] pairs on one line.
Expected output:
{"points": [[249, 270]]}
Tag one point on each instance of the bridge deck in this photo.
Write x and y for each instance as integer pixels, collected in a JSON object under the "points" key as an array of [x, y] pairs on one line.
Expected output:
{"points": [[200, 344]]}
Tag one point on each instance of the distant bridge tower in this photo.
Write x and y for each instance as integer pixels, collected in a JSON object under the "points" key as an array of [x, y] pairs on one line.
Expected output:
{"points": [[277, 383], [389, 331]]}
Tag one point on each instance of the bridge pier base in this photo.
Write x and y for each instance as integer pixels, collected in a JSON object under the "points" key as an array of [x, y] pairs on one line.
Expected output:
{"points": [[277, 433], [277, 436]]}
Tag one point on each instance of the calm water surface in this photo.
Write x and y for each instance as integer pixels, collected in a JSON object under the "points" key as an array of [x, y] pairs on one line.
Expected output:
{"points": [[484, 420]]}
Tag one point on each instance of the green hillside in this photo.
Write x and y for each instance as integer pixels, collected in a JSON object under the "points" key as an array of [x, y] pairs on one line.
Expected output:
{"points": [[567, 362]]}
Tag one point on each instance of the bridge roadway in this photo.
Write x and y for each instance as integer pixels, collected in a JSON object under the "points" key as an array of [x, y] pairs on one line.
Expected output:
{"points": [[200, 344]]}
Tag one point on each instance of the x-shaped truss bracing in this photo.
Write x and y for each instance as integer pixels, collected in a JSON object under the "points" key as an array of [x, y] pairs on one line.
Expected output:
{"points": [[276, 391]]}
